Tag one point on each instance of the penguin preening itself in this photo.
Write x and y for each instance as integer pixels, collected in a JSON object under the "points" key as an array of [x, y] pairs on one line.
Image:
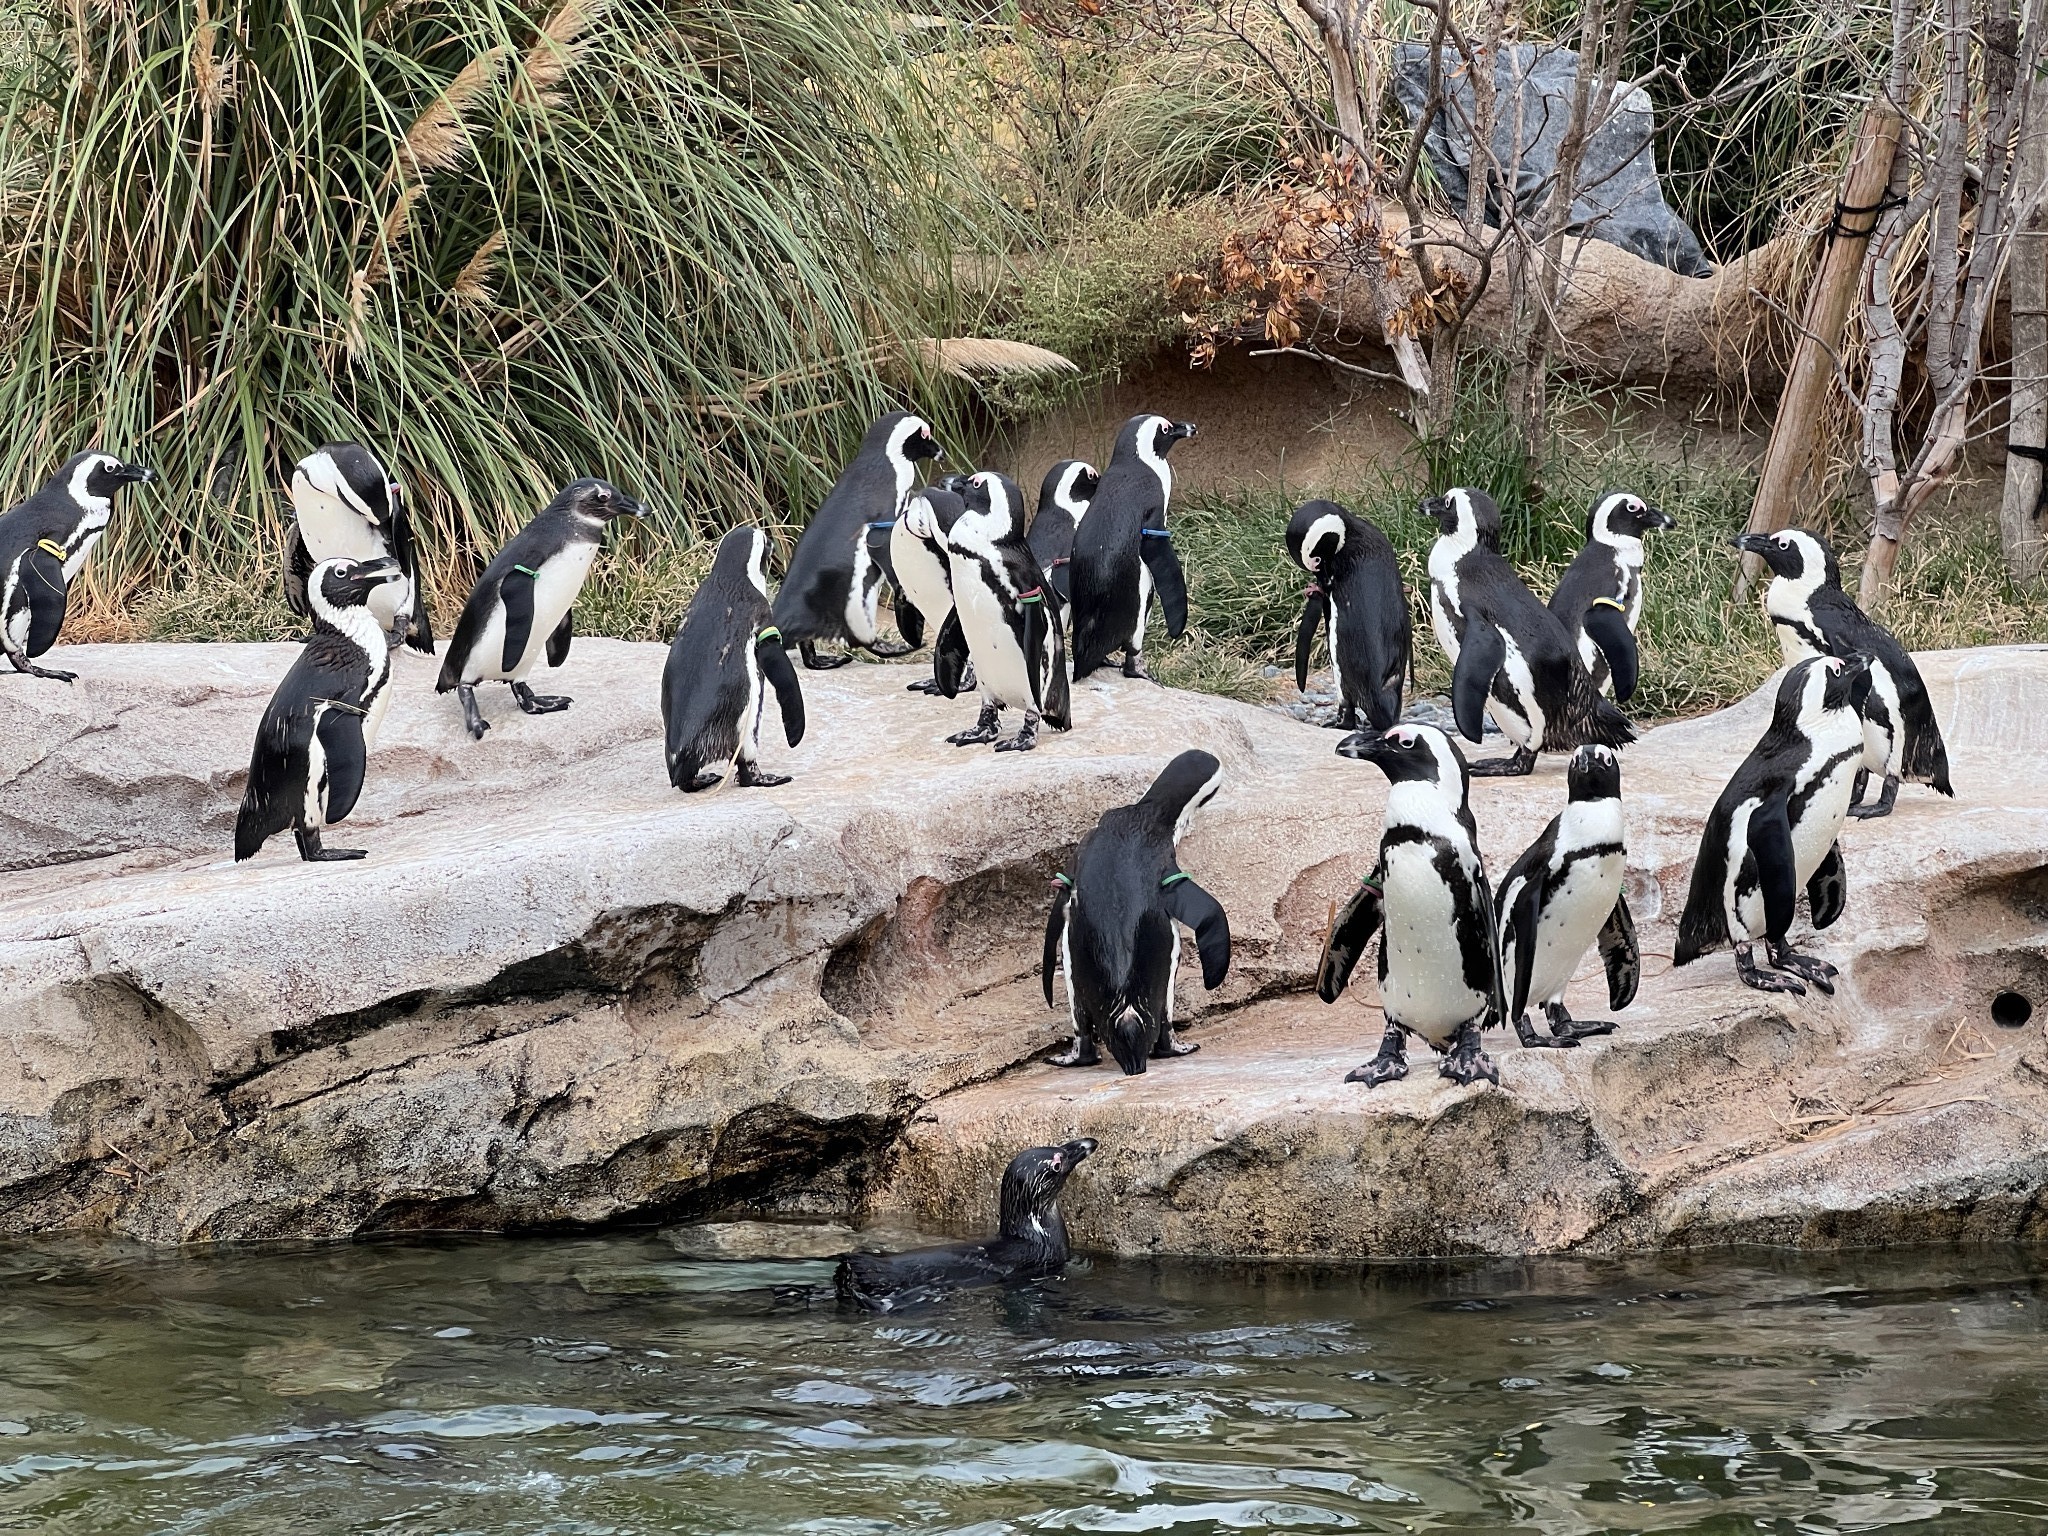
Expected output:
{"points": [[1030, 1245], [1123, 553], [1112, 923], [1564, 894], [1511, 656], [321, 724], [43, 544], [1354, 580], [1599, 599], [833, 586], [1813, 616], [1063, 501], [522, 604], [1002, 620], [725, 657], [346, 506], [1774, 828], [922, 569], [1440, 954]]}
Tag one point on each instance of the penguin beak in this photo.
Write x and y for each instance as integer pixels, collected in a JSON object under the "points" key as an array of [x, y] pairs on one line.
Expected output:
{"points": [[1181, 429], [1076, 1150], [1752, 543], [1657, 517], [135, 474], [626, 506], [1365, 746]]}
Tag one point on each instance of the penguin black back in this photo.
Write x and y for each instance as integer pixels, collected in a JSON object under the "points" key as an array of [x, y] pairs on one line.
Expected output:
{"points": [[43, 544], [1063, 501], [724, 658], [1354, 580], [1123, 551]]}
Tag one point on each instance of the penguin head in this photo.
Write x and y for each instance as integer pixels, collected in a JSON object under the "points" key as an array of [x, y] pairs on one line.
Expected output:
{"points": [[742, 558], [904, 439], [338, 584], [994, 496], [93, 476], [1820, 686], [1795, 554], [1624, 515], [597, 501], [1151, 437], [1033, 1182], [1411, 754], [1594, 774], [1069, 485], [1186, 784], [352, 475], [1465, 513], [1316, 534], [1130, 1040]]}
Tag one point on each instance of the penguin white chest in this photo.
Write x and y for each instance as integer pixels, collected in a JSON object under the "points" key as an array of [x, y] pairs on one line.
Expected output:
{"points": [[923, 578], [556, 586], [1577, 906], [331, 531], [1884, 724], [999, 660], [1424, 989], [1827, 806]]}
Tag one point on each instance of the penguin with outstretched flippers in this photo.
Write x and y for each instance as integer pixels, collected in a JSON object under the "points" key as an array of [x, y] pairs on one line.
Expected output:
{"points": [[723, 662], [1354, 579]]}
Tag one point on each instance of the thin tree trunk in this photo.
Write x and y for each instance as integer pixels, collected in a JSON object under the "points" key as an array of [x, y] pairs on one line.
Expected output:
{"points": [[2020, 525]]}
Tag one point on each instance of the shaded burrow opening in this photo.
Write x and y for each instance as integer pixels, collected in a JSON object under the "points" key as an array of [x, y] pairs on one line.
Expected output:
{"points": [[2011, 1010]]}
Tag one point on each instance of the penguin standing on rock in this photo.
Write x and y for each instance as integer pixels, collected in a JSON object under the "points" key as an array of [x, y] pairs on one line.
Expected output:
{"points": [[1511, 656], [1001, 620], [522, 604], [1123, 553], [320, 726], [1354, 579], [1440, 955], [1599, 599], [1774, 828], [1062, 502], [346, 506], [922, 568], [834, 583], [43, 544], [724, 659], [1562, 895], [1815, 617], [1112, 923]]}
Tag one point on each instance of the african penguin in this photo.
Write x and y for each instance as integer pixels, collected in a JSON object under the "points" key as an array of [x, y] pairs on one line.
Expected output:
{"points": [[1123, 552], [346, 506], [43, 544], [321, 724], [522, 604], [1774, 828], [1599, 599], [922, 568], [1440, 955], [1354, 579], [1112, 930], [834, 583], [1512, 659], [1563, 894], [724, 659], [1815, 617], [1001, 620], [1062, 502]]}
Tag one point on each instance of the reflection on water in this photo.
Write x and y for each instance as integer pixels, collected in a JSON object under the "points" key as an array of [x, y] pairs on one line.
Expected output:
{"points": [[609, 1385]]}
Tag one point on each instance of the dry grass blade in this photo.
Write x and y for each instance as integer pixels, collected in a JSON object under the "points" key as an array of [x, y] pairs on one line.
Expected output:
{"points": [[472, 286], [975, 358], [212, 80], [555, 52], [439, 136]]}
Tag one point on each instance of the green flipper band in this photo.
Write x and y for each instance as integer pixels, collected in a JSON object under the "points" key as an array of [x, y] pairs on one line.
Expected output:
{"points": [[51, 547], [770, 632], [1063, 880], [527, 570], [1375, 884], [1174, 879]]}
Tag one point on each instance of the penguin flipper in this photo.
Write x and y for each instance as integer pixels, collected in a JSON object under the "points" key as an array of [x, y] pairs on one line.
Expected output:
{"points": [[1606, 625], [1356, 923], [1057, 701], [1489, 922], [909, 621], [1827, 893], [341, 738], [1620, 954], [272, 798], [420, 633], [1192, 907], [1056, 577], [950, 656], [1524, 903], [773, 661], [1055, 926], [558, 642], [1770, 845], [1169, 581], [1481, 651], [1305, 636], [515, 591], [298, 569], [48, 593]]}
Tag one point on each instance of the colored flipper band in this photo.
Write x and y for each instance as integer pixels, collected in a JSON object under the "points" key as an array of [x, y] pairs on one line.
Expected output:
{"points": [[1607, 602], [51, 547], [1157, 533], [1175, 879], [527, 570], [1035, 595], [768, 633], [889, 524], [1063, 880]]}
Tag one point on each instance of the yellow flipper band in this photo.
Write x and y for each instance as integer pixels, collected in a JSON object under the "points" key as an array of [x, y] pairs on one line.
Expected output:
{"points": [[1607, 602], [51, 547]]}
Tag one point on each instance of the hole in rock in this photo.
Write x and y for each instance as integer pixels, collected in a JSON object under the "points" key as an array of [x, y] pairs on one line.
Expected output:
{"points": [[2009, 1010]]}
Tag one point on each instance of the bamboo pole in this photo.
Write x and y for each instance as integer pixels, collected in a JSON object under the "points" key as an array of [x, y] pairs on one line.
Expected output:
{"points": [[1787, 480]]}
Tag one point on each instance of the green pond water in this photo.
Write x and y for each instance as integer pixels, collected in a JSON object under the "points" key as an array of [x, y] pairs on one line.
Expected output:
{"points": [[610, 1385]]}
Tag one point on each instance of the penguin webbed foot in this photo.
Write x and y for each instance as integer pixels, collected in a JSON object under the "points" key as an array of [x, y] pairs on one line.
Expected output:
{"points": [[889, 650], [539, 703], [1465, 1062], [929, 686], [1754, 975], [983, 730], [1026, 738], [1556, 1040], [815, 662], [1170, 1045], [1081, 1052], [1389, 1066], [703, 781], [472, 717], [53, 674], [1882, 805], [1134, 666], [1562, 1024], [750, 776], [1522, 761], [1807, 967], [312, 852]]}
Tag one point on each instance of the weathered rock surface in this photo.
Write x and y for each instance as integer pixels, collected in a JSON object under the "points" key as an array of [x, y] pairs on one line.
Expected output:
{"points": [[559, 992]]}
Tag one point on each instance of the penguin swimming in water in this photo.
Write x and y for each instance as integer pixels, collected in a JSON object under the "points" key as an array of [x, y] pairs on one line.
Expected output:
{"points": [[346, 506], [1512, 659], [725, 657], [1112, 930], [1031, 1244], [1062, 502], [1813, 616], [522, 604], [1599, 599], [1354, 579], [1774, 828], [1123, 553], [1002, 620], [834, 583], [1563, 894], [321, 724], [43, 544], [1440, 955], [922, 569]]}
